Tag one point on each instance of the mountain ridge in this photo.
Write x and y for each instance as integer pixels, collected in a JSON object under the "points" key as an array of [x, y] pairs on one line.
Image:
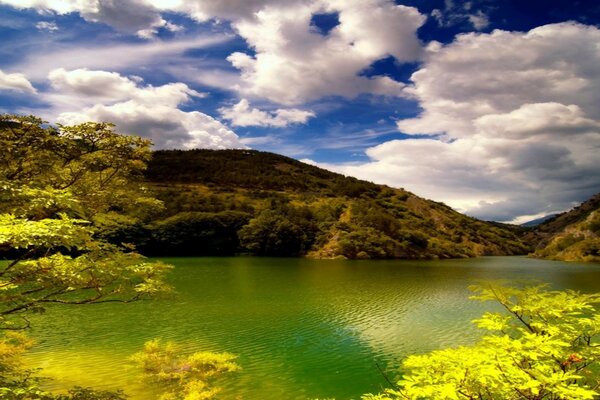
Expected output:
{"points": [[275, 205]]}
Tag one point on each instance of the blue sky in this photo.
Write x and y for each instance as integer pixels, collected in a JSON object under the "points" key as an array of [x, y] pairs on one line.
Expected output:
{"points": [[491, 106]]}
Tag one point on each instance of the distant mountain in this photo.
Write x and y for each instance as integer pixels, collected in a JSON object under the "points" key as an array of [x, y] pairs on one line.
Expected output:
{"points": [[570, 236], [250, 202], [537, 221]]}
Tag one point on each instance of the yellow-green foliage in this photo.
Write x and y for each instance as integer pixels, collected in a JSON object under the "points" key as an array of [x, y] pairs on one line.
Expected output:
{"points": [[184, 377], [546, 346], [577, 242], [59, 188]]}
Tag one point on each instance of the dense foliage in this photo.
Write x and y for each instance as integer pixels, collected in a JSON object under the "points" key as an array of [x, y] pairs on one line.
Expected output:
{"points": [[61, 191], [252, 170], [297, 209], [571, 236], [545, 346]]}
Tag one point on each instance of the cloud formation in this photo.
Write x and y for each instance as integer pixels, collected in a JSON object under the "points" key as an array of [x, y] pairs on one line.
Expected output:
{"points": [[294, 63], [461, 13], [132, 16], [510, 121], [516, 124], [15, 81], [104, 56], [149, 111], [242, 114]]}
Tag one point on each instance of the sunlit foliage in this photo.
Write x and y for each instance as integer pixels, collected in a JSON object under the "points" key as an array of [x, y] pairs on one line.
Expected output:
{"points": [[299, 209], [184, 377], [544, 346], [61, 190]]}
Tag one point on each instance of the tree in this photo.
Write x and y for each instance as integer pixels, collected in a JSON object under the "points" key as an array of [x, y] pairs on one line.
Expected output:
{"points": [[61, 190], [196, 233], [279, 231], [545, 347]]}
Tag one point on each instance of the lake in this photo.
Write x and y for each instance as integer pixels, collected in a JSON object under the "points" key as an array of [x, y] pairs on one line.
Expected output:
{"points": [[301, 328]]}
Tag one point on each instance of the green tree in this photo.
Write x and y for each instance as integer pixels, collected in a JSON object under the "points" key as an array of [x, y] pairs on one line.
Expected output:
{"points": [[281, 231], [196, 233], [61, 189], [545, 346]]}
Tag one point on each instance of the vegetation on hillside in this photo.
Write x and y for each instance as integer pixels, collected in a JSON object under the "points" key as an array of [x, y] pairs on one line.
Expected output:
{"points": [[570, 236], [72, 201], [242, 201]]}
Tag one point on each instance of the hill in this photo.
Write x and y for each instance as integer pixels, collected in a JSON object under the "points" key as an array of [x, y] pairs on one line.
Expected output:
{"points": [[570, 236], [535, 222], [241, 201]]}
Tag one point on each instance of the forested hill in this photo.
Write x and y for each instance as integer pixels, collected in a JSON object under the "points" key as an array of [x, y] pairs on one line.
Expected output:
{"points": [[253, 170], [251, 202], [571, 236]]}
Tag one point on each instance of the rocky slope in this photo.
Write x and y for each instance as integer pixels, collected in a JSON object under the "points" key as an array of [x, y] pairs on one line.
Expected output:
{"points": [[570, 236]]}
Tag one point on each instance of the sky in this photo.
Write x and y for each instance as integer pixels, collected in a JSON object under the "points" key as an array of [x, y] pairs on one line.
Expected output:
{"points": [[490, 106]]}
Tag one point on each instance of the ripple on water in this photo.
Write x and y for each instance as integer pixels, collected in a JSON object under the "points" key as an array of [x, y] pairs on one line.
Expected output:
{"points": [[302, 328]]}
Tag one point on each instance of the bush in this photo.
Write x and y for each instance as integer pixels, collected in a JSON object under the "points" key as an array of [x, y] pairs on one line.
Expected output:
{"points": [[545, 347]]}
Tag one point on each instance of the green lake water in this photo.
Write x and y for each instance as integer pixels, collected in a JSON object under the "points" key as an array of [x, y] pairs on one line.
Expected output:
{"points": [[301, 328]]}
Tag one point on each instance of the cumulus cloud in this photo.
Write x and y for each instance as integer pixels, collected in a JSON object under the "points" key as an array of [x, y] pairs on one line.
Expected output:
{"points": [[242, 114], [133, 16], [204, 10], [15, 81], [148, 111], [94, 86], [517, 119], [294, 63]]}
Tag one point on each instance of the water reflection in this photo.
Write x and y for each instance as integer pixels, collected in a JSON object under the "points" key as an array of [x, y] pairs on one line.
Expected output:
{"points": [[302, 328]]}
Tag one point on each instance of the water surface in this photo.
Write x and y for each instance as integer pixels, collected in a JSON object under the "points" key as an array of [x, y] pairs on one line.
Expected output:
{"points": [[302, 328]]}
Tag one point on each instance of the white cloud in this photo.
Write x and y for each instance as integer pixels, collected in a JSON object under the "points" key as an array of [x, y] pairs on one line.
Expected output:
{"points": [[479, 20], [15, 81], [93, 86], [133, 16], [148, 111], [47, 26], [537, 119], [294, 63], [242, 114], [115, 56], [204, 10], [166, 126], [519, 115], [481, 74], [454, 14]]}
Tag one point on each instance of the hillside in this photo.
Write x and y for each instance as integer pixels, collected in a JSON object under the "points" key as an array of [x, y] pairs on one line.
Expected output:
{"points": [[535, 222], [249, 202], [570, 236]]}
